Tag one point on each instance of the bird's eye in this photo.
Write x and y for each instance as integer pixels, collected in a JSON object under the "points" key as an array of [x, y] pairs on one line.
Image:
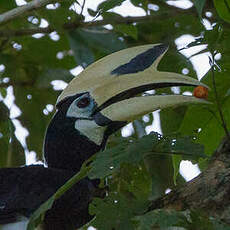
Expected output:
{"points": [[84, 102]]}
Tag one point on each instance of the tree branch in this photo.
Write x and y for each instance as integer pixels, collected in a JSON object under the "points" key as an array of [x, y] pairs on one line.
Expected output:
{"points": [[208, 192], [75, 25], [16, 12]]}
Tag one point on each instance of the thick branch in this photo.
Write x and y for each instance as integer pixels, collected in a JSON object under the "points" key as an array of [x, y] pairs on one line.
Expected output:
{"points": [[209, 191], [21, 10], [75, 25]]}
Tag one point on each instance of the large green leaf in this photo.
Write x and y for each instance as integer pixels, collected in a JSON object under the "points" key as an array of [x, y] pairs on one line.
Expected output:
{"points": [[84, 42], [6, 5], [58, 16], [205, 124], [102, 40], [161, 218], [199, 4], [82, 53], [119, 206], [129, 30], [133, 151], [109, 4], [223, 9], [32, 102], [48, 75], [171, 119], [171, 219]]}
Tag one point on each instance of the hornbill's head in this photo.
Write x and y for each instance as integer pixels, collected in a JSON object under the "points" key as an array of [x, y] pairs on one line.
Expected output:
{"points": [[109, 93]]}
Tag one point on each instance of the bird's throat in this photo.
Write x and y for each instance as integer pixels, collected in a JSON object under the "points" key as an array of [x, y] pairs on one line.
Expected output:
{"points": [[65, 147]]}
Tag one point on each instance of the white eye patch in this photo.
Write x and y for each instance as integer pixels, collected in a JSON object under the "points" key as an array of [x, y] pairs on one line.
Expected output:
{"points": [[82, 107]]}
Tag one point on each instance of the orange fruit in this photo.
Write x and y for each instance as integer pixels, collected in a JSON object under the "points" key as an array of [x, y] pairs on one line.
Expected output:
{"points": [[200, 92]]}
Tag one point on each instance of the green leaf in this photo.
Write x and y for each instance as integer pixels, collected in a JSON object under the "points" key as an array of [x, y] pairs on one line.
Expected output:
{"points": [[108, 161], [82, 53], [205, 124], [126, 151], [59, 16], [176, 166], [115, 205], [161, 218], [133, 151], [129, 30], [102, 40], [48, 75], [223, 9], [84, 42], [6, 5], [171, 119], [204, 121], [228, 93], [187, 147], [199, 4], [141, 3], [133, 181], [3, 92], [32, 101], [109, 4]]}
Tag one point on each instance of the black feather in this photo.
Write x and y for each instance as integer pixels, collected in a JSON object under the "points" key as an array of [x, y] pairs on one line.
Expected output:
{"points": [[24, 189]]}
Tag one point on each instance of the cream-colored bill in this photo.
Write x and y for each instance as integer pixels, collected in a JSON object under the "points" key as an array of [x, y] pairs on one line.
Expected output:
{"points": [[130, 109]]}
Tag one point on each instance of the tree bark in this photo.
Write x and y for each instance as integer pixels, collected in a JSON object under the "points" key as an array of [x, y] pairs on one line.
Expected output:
{"points": [[21, 10], [210, 191]]}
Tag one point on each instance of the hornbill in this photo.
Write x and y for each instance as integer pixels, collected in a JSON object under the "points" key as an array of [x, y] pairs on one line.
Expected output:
{"points": [[98, 102]]}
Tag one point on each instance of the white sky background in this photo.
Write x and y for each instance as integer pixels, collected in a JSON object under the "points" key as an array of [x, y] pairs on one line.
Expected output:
{"points": [[200, 62]]}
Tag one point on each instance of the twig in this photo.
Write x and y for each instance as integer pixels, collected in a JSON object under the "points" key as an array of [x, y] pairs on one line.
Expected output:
{"points": [[223, 123], [24, 32], [21, 10], [82, 8], [3, 43], [16, 83]]}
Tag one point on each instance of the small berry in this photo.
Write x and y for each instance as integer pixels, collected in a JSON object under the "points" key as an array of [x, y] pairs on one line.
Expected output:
{"points": [[200, 92]]}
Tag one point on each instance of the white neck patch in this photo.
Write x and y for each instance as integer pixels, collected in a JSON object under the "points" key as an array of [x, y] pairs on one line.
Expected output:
{"points": [[90, 129], [21, 225]]}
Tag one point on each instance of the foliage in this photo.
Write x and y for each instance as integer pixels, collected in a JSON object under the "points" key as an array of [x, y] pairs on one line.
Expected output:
{"points": [[136, 170]]}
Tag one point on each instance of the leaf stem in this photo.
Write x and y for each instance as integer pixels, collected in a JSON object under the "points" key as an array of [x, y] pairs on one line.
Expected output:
{"points": [[82, 8], [223, 123]]}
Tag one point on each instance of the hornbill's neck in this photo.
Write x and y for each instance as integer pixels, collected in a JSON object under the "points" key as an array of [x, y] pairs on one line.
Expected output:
{"points": [[65, 147], [74, 134]]}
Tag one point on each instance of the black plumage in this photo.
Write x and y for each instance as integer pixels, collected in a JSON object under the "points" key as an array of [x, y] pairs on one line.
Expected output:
{"points": [[24, 189], [64, 146]]}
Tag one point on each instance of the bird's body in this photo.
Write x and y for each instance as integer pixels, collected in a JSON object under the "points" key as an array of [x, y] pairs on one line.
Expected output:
{"points": [[26, 188], [102, 99]]}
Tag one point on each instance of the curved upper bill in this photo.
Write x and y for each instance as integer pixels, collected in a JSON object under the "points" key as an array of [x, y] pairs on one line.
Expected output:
{"points": [[114, 80]]}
